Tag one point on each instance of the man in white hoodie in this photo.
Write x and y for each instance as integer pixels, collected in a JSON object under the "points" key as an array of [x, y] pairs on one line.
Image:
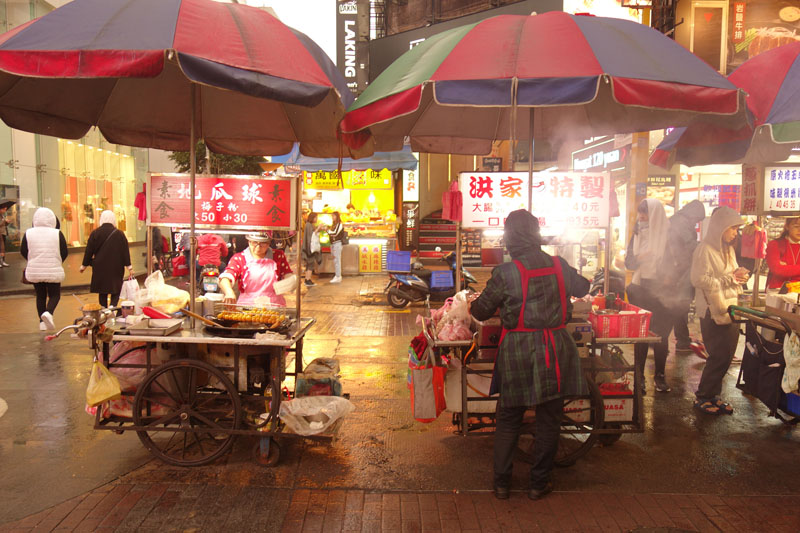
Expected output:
{"points": [[718, 280], [45, 248]]}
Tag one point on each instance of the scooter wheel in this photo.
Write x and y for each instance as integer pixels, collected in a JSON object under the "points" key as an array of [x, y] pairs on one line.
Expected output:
{"points": [[398, 302]]}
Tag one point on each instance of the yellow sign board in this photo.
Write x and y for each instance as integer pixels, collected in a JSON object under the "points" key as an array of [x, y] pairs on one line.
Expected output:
{"points": [[370, 257], [351, 179]]}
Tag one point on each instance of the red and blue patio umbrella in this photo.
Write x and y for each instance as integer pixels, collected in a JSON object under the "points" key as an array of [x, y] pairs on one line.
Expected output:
{"points": [[772, 83], [459, 90], [129, 66]]}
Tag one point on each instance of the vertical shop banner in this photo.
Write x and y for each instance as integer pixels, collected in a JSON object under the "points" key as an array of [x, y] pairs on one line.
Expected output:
{"points": [[410, 225], [410, 186], [781, 188], [349, 50], [749, 196], [488, 197], [222, 202], [562, 200], [738, 22], [370, 257]]}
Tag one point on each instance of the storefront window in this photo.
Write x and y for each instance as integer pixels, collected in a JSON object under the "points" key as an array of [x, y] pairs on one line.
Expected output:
{"points": [[95, 175]]}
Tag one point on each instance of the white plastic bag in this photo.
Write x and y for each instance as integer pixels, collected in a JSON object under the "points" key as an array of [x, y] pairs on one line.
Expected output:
{"points": [[314, 244], [165, 297], [791, 374], [286, 285], [130, 288], [455, 322], [311, 415]]}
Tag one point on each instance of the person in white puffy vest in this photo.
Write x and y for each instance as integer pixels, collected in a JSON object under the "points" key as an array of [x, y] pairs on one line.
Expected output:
{"points": [[45, 249]]}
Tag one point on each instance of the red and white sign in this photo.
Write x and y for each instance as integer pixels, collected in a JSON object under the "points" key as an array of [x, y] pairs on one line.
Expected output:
{"points": [[562, 200], [488, 197], [749, 195], [222, 202]]}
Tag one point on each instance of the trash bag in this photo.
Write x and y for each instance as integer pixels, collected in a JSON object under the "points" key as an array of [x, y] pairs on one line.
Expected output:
{"points": [[103, 385], [311, 415], [165, 297]]}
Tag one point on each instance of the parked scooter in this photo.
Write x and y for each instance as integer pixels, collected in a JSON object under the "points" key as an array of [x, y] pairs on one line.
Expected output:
{"points": [[209, 278], [415, 286]]}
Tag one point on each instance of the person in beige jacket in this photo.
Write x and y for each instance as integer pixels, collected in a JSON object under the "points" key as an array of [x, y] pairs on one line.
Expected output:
{"points": [[718, 280]]}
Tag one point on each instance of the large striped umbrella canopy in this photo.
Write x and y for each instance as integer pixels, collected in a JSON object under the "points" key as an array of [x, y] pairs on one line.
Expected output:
{"points": [[128, 67], [461, 89], [772, 83]]}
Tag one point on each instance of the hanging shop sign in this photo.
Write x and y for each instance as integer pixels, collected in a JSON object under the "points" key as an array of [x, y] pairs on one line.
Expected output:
{"points": [[222, 202], [564, 200], [607, 155], [488, 197], [351, 179], [410, 186], [662, 188], [749, 197], [781, 188], [719, 195]]}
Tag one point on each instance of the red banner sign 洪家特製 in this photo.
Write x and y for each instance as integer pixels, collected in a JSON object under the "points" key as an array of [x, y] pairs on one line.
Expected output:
{"points": [[222, 202]]}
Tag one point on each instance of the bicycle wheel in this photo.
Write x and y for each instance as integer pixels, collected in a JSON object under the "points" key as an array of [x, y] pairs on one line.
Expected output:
{"points": [[582, 416], [181, 401]]}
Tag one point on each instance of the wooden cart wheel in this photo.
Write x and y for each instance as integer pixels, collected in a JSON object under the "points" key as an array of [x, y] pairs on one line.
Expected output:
{"points": [[578, 427], [272, 456], [181, 400]]}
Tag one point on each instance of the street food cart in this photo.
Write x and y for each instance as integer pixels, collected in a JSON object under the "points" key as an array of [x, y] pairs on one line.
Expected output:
{"points": [[195, 386]]}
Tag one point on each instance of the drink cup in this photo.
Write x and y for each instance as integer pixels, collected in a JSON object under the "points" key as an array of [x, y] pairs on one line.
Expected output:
{"points": [[127, 307]]}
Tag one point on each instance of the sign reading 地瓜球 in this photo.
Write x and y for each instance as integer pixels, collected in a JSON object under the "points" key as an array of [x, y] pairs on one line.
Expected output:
{"points": [[222, 202]]}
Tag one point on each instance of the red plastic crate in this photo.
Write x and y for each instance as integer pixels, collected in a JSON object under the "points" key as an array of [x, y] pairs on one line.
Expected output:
{"points": [[621, 326]]}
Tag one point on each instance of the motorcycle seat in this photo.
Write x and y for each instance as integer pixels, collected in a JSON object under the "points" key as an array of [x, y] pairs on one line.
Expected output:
{"points": [[423, 273]]}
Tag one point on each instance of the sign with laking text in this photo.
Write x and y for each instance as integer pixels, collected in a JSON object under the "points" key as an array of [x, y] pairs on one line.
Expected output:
{"points": [[222, 202]]}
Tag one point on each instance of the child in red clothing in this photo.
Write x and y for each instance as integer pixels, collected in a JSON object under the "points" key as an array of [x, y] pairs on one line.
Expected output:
{"points": [[783, 255]]}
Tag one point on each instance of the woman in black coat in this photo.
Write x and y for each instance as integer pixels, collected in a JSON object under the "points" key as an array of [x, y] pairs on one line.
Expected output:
{"points": [[108, 254]]}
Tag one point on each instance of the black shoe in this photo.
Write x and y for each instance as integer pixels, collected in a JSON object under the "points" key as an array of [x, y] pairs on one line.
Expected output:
{"points": [[501, 493], [538, 494], [685, 347], [309, 283], [661, 383]]}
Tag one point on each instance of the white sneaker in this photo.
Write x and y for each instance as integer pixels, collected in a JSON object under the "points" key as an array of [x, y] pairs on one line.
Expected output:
{"points": [[47, 319], [42, 326], [336, 279], [3, 263]]}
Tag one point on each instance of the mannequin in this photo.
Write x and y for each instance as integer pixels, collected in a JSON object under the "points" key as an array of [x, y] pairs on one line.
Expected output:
{"points": [[120, 213], [141, 203], [66, 217], [88, 218]]}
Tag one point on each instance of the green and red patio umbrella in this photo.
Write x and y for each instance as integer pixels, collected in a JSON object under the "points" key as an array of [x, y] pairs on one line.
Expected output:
{"points": [[556, 74], [772, 83]]}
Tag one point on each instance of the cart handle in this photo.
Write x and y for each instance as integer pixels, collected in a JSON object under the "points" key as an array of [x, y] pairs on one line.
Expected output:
{"points": [[757, 314]]}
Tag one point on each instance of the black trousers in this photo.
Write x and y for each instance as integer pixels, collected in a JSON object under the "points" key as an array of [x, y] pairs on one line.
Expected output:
{"points": [[47, 297], [548, 428], [720, 342], [661, 323], [681, 329], [103, 299]]}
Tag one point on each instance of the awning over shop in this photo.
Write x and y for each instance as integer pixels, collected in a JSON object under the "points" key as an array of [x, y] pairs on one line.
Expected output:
{"points": [[403, 159]]}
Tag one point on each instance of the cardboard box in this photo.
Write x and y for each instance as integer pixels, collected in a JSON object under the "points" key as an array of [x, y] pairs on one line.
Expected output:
{"points": [[477, 387], [617, 410]]}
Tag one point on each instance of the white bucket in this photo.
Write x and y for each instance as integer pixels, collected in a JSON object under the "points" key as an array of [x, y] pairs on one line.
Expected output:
{"points": [[210, 299]]}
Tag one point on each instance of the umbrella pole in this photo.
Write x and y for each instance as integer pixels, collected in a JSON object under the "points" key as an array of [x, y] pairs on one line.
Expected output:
{"points": [[192, 237], [299, 242]]}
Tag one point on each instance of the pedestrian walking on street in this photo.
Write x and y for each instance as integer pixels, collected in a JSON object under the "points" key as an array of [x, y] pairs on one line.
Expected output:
{"points": [[537, 363], [312, 255], [4, 222], [650, 289], [336, 233], [718, 280], [682, 241], [45, 249], [108, 254]]}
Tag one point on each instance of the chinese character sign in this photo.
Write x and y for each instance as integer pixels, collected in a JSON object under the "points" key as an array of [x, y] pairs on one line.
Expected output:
{"points": [[410, 186], [350, 179], [749, 195], [781, 189], [233, 202], [562, 200], [488, 197]]}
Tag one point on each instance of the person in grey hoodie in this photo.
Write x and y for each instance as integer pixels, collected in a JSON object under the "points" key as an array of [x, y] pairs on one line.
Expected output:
{"points": [[45, 248], [717, 279], [682, 241]]}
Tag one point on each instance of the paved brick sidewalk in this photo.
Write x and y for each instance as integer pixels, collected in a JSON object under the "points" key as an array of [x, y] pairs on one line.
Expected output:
{"points": [[168, 507]]}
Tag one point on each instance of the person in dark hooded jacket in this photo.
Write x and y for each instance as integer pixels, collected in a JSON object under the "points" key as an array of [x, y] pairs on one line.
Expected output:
{"points": [[682, 240], [108, 254], [537, 362]]}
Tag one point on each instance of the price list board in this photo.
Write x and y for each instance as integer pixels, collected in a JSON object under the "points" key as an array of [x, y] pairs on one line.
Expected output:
{"points": [[471, 247]]}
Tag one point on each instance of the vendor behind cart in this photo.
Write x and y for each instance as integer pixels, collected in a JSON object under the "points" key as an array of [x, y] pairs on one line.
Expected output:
{"points": [[256, 272], [783, 255], [537, 363]]}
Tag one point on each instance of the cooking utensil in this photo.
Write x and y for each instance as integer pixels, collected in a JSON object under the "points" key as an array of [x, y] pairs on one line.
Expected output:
{"points": [[201, 318]]}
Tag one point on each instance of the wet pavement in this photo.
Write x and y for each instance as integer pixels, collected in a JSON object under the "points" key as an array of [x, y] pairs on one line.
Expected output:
{"points": [[686, 471]]}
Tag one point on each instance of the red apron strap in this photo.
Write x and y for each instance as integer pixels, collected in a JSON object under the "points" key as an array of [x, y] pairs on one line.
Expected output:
{"points": [[562, 291]]}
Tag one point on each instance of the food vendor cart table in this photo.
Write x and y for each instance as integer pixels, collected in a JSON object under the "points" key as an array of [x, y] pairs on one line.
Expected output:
{"points": [[201, 390]]}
